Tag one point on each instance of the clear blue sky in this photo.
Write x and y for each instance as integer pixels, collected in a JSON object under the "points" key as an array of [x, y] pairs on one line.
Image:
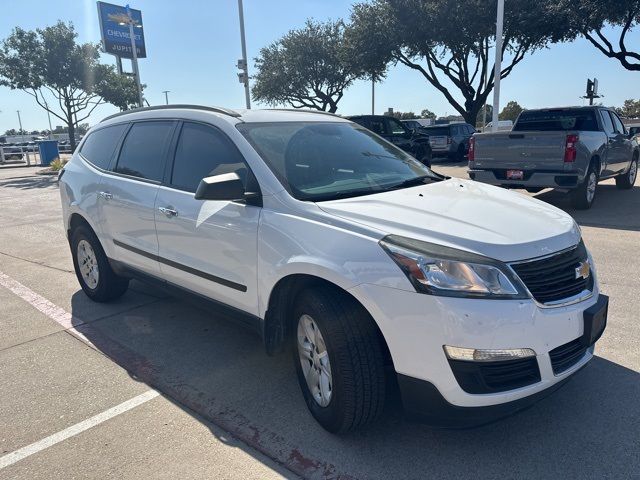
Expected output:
{"points": [[193, 46]]}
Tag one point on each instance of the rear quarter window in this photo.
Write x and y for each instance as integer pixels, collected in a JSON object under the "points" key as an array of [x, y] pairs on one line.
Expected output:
{"points": [[99, 146]]}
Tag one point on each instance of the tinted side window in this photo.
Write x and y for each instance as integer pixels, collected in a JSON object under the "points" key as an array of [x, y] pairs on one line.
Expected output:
{"points": [[202, 152], [99, 146], [143, 151], [377, 125], [395, 127], [617, 124], [606, 121]]}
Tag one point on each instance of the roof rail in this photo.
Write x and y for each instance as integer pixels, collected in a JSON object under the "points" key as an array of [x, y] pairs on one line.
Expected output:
{"points": [[320, 112], [224, 111]]}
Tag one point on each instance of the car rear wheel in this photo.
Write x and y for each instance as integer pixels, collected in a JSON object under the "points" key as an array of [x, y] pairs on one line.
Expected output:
{"points": [[584, 195], [627, 180], [460, 154], [339, 360], [92, 268]]}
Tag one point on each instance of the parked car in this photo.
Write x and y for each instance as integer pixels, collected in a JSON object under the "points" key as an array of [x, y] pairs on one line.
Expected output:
{"points": [[337, 245], [391, 129], [503, 126], [418, 123], [450, 140], [634, 130], [570, 149]]}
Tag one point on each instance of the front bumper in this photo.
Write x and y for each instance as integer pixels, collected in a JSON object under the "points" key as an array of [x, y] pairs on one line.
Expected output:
{"points": [[416, 326]]}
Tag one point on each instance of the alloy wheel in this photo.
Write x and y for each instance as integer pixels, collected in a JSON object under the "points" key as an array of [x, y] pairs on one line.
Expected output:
{"points": [[314, 360], [591, 186], [88, 264]]}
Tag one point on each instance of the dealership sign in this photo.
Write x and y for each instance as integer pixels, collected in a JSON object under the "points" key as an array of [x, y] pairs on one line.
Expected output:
{"points": [[114, 26]]}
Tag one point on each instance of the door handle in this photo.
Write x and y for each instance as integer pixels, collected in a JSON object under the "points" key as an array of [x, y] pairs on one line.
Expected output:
{"points": [[168, 211], [106, 195]]}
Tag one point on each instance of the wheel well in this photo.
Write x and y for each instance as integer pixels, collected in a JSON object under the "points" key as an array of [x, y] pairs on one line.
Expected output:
{"points": [[595, 160], [76, 221], [278, 319]]}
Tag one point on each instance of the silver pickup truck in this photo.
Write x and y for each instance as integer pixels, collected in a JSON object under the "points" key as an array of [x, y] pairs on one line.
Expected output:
{"points": [[564, 148]]}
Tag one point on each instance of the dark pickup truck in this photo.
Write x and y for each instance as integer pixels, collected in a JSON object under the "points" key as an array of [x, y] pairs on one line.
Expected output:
{"points": [[564, 148]]}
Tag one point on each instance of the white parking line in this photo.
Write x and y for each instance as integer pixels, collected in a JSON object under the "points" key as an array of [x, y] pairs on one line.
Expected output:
{"points": [[54, 312], [47, 442]]}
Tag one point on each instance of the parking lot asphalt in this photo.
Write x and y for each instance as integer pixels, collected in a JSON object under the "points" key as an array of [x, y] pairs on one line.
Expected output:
{"points": [[225, 409]]}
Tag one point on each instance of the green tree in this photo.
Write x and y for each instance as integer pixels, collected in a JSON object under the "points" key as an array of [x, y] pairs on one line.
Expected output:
{"points": [[307, 68], [448, 42], [426, 113], [11, 132], [510, 111], [48, 63], [630, 109], [604, 23]]}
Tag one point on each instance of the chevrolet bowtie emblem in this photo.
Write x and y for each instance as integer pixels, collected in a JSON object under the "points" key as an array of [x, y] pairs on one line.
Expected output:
{"points": [[583, 270]]}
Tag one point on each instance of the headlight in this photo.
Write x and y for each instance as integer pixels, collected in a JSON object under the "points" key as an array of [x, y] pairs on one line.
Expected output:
{"points": [[445, 271]]}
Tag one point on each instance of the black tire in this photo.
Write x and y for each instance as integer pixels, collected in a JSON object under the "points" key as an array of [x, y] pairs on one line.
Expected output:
{"points": [[460, 153], [628, 179], [109, 286], [581, 199], [355, 355]]}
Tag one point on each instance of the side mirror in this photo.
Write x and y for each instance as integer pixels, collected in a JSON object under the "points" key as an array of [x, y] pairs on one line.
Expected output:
{"points": [[226, 186]]}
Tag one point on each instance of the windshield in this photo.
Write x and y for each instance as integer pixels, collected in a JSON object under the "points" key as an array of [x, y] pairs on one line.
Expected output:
{"points": [[325, 161], [557, 120]]}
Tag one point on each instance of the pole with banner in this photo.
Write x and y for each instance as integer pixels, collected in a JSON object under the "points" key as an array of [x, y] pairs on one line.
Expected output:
{"points": [[134, 57], [497, 67], [245, 76], [123, 36]]}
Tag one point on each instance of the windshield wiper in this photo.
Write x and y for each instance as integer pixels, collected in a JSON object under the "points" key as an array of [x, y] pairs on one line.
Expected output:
{"points": [[412, 182]]}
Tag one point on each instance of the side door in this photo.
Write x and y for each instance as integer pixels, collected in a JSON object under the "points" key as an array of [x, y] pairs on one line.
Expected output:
{"points": [[623, 145], [128, 195], [208, 247], [609, 160], [398, 134], [98, 149]]}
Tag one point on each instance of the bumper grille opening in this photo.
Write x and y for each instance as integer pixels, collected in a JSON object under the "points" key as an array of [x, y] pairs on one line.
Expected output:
{"points": [[492, 377], [566, 356], [554, 278]]}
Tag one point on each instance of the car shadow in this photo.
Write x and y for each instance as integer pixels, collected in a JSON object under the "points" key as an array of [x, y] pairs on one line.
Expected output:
{"points": [[613, 208], [218, 372]]}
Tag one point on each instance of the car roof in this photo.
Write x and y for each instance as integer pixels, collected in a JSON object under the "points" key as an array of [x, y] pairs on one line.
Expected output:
{"points": [[232, 116]]}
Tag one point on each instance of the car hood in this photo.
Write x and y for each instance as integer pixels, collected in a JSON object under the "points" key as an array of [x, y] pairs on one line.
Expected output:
{"points": [[464, 214]]}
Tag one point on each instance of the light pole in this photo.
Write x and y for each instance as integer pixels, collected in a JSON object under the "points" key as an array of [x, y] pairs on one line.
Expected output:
{"points": [[46, 106], [497, 67], [20, 123], [166, 96], [373, 95], [244, 56], [134, 53]]}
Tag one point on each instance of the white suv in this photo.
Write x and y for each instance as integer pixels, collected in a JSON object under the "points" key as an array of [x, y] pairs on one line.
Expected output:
{"points": [[333, 242]]}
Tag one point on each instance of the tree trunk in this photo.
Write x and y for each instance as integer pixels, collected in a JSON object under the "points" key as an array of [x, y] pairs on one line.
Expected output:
{"points": [[72, 134], [471, 115]]}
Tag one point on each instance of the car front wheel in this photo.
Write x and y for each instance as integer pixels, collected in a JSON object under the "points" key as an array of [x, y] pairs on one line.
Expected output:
{"points": [[339, 360]]}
